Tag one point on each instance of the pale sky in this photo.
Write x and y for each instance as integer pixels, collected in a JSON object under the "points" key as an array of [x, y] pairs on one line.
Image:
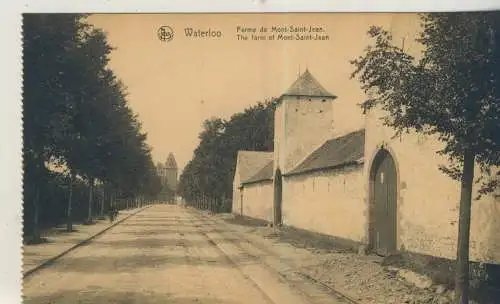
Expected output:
{"points": [[175, 85]]}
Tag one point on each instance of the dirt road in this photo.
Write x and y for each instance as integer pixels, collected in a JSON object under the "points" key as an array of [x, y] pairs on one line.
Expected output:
{"points": [[169, 254]]}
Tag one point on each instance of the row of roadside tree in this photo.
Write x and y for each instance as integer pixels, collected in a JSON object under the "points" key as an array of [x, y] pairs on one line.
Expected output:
{"points": [[83, 146], [207, 179]]}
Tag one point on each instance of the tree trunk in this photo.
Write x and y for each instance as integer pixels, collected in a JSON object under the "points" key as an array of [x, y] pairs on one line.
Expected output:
{"points": [[103, 194], [462, 266], [91, 196], [36, 228], [69, 226]]}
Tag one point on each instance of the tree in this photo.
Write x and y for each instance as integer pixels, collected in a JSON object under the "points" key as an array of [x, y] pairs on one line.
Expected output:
{"points": [[151, 182], [49, 41], [95, 79], [451, 92], [209, 174]]}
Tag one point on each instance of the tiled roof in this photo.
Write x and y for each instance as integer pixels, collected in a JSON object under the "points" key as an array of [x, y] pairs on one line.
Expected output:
{"points": [[336, 152], [266, 173], [171, 163], [251, 162], [307, 85]]}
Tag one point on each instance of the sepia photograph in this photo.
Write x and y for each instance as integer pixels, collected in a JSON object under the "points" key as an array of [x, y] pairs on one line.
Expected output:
{"points": [[261, 158]]}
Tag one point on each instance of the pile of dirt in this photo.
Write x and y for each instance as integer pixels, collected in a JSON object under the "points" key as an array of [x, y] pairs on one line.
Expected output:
{"points": [[369, 282]]}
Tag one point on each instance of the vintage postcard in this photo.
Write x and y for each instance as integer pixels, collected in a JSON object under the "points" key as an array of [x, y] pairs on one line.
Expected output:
{"points": [[261, 158]]}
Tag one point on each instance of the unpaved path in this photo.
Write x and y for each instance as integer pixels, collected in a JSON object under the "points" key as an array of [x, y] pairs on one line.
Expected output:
{"points": [[169, 254]]}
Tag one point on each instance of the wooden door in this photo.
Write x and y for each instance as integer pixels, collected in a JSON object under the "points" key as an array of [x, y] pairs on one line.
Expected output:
{"points": [[384, 178], [241, 201], [278, 188]]}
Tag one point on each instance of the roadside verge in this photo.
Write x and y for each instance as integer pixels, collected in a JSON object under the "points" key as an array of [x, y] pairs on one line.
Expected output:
{"points": [[48, 261]]}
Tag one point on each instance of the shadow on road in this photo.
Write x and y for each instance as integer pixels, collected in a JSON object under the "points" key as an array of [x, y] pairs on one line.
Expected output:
{"points": [[154, 231], [246, 221], [159, 224], [163, 220], [101, 295], [135, 263], [156, 243]]}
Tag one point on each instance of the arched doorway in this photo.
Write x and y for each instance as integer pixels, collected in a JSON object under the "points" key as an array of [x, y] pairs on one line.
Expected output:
{"points": [[278, 186], [383, 203]]}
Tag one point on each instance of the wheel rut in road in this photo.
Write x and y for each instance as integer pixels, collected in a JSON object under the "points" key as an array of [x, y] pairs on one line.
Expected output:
{"points": [[314, 291], [172, 255]]}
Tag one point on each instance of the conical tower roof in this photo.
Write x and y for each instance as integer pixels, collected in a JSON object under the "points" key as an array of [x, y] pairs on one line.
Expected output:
{"points": [[171, 163], [307, 85]]}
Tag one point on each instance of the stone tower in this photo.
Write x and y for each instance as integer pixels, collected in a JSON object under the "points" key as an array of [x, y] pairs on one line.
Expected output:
{"points": [[303, 121], [168, 176], [171, 172]]}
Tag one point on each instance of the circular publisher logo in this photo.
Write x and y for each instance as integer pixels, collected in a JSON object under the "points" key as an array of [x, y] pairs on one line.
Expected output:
{"points": [[165, 33]]}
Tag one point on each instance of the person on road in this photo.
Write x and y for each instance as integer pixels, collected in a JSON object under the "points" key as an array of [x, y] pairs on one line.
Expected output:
{"points": [[113, 214]]}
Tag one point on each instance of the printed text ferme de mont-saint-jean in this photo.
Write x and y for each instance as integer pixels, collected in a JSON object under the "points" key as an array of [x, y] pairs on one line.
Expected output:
{"points": [[264, 33]]}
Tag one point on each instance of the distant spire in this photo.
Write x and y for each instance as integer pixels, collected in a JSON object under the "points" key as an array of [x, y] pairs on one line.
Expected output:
{"points": [[299, 70], [171, 163]]}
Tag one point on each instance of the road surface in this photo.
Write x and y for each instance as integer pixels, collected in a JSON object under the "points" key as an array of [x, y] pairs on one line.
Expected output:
{"points": [[168, 254]]}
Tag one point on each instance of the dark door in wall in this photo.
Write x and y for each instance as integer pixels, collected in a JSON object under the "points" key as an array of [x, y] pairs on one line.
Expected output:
{"points": [[384, 203], [278, 188], [241, 201]]}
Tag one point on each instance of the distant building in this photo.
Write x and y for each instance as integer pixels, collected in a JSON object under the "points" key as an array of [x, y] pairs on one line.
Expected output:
{"points": [[168, 173]]}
